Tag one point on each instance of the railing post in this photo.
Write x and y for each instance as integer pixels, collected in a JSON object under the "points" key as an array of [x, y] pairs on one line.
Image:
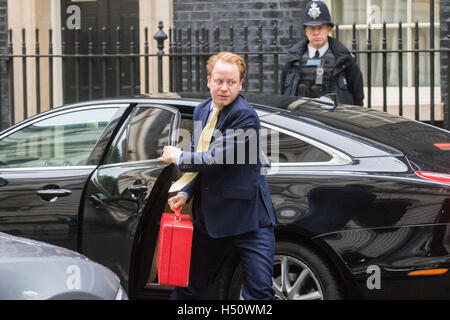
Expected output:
{"points": [[260, 59], [174, 56], [90, 63], [63, 66], [50, 67], [385, 84], [400, 68], [446, 112], [132, 61], [189, 59], [38, 73], [24, 76], [12, 113], [77, 65], [246, 55], [160, 36], [197, 59], [275, 60], [146, 52], [416, 70], [432, 62], [180, 60], [118, 63], [203, 60], [104, 61], [369, 66], [171, 61]]}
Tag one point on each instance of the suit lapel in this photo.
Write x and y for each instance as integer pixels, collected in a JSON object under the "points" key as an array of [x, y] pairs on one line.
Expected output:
{"points": [[205, 113]]}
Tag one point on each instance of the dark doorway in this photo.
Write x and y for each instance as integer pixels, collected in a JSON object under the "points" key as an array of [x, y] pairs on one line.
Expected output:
{"points": [[105, 28]]}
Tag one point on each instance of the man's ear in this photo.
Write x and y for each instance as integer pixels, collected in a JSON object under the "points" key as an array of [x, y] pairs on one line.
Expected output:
{"points": [[209, 80]]}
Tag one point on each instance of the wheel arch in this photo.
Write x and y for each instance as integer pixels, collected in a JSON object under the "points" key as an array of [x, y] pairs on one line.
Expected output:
{"points": [[322, 249]]}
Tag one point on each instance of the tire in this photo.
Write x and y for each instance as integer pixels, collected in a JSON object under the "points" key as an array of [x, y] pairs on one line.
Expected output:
{"points": [[309, 275]]}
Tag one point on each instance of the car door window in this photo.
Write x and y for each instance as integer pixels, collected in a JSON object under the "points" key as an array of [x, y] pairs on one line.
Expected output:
{"points": [[143, 137], [283, 148], [65, 139]]}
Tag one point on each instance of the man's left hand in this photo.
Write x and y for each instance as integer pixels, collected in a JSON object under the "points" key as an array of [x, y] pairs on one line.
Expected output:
{"points": [[170, 154]]}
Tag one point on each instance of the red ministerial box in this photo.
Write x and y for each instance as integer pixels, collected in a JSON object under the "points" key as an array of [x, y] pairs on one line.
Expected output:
{"points": [[174, 249]]}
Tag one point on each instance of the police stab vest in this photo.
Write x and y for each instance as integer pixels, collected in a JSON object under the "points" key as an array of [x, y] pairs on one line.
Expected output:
{"points": [[316, 75]]}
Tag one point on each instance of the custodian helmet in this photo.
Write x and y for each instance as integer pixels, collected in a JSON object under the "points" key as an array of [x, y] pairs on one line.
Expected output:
{"points": [[317, 13]]}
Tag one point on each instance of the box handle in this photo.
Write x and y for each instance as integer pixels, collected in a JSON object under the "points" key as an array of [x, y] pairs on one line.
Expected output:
{"points": [[177, 213]]}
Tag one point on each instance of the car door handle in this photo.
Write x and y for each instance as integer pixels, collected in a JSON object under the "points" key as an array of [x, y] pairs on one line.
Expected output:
{"points": [[137, 188], [53, 194], [96, 201]]}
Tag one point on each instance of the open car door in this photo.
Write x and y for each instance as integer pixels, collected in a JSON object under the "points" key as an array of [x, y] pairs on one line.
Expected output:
{"points": [[127, 189]]}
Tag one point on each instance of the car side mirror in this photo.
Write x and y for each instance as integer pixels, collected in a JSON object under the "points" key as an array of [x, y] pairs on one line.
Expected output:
{"points": [[3, 182]]}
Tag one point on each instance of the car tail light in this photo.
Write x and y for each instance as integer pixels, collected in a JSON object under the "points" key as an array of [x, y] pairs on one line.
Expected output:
{"points": [[442, 146], [440, 177]]}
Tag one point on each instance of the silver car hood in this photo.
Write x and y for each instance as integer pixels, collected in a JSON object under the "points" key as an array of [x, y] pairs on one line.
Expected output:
{"points": [[32, 270], [16, 247]]}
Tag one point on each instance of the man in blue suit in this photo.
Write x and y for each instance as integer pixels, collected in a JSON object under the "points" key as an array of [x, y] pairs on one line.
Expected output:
{"points": [[232, 204]]}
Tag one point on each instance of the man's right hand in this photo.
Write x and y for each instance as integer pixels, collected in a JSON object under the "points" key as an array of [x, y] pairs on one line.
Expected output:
{"points": [[179, 200]]}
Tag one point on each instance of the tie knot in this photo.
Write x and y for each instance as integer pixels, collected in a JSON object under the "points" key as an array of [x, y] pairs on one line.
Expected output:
{"points": [[317, 55]]}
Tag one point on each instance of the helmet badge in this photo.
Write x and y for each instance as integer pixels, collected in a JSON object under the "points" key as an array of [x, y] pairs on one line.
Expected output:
{"points": [[314, 11]]}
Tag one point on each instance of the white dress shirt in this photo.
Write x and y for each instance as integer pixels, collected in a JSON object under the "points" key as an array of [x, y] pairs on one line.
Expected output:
{"points": [[322, 51]]}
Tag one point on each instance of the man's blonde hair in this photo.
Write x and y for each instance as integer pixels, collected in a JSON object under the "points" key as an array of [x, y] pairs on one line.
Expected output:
{"points": [[227, 57]]}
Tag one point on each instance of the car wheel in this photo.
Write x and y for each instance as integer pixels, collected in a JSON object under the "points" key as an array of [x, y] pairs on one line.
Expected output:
{"points": [[298, 274]]}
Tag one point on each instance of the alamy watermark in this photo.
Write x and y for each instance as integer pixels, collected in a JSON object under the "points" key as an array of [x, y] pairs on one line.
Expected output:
{"points": [[373, 282], [73, 21], [73, 281]]}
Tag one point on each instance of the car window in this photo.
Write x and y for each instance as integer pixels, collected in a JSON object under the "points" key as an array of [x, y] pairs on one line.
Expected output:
{"points": [[62, 140], [283, 148], [143, 136]]}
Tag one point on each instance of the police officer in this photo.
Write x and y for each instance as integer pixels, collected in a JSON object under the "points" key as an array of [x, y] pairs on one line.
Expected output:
{"points": [[320, 64]]}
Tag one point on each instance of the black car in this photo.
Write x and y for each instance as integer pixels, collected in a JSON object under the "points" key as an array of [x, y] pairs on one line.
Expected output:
{"points": [[362, 197]]}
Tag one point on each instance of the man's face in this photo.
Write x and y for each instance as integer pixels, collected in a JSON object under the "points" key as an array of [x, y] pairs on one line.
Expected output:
{"points": [[224, 83], [318, 35]]}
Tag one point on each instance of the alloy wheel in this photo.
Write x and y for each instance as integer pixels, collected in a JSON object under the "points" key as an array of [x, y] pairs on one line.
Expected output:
{"points": [[293, 280]]}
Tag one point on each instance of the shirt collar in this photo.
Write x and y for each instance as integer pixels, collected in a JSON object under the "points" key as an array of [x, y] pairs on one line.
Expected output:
{"points": [[312, 51]]}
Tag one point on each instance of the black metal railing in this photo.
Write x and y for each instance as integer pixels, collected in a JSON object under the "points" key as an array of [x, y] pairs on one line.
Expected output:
{"points": [[106, 69]]}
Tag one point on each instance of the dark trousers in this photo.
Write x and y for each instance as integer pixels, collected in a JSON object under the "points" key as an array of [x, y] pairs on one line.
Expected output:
{"points": [[257, 256]]}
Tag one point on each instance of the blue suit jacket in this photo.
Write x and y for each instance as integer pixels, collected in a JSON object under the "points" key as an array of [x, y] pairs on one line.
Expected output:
{"points": [[231, 196]]}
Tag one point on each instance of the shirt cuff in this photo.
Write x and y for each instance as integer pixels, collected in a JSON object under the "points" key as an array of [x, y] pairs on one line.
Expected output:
{"points": [[185, 193]]}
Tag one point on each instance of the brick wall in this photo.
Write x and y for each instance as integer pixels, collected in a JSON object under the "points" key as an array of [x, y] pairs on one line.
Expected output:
{"points": [[224, 14], [4, 84]]}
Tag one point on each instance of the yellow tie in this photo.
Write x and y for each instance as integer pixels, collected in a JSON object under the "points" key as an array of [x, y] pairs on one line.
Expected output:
{"points": [[203, 145]]}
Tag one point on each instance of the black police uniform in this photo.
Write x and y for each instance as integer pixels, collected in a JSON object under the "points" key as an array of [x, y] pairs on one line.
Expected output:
{"points": [[335, 72]]}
